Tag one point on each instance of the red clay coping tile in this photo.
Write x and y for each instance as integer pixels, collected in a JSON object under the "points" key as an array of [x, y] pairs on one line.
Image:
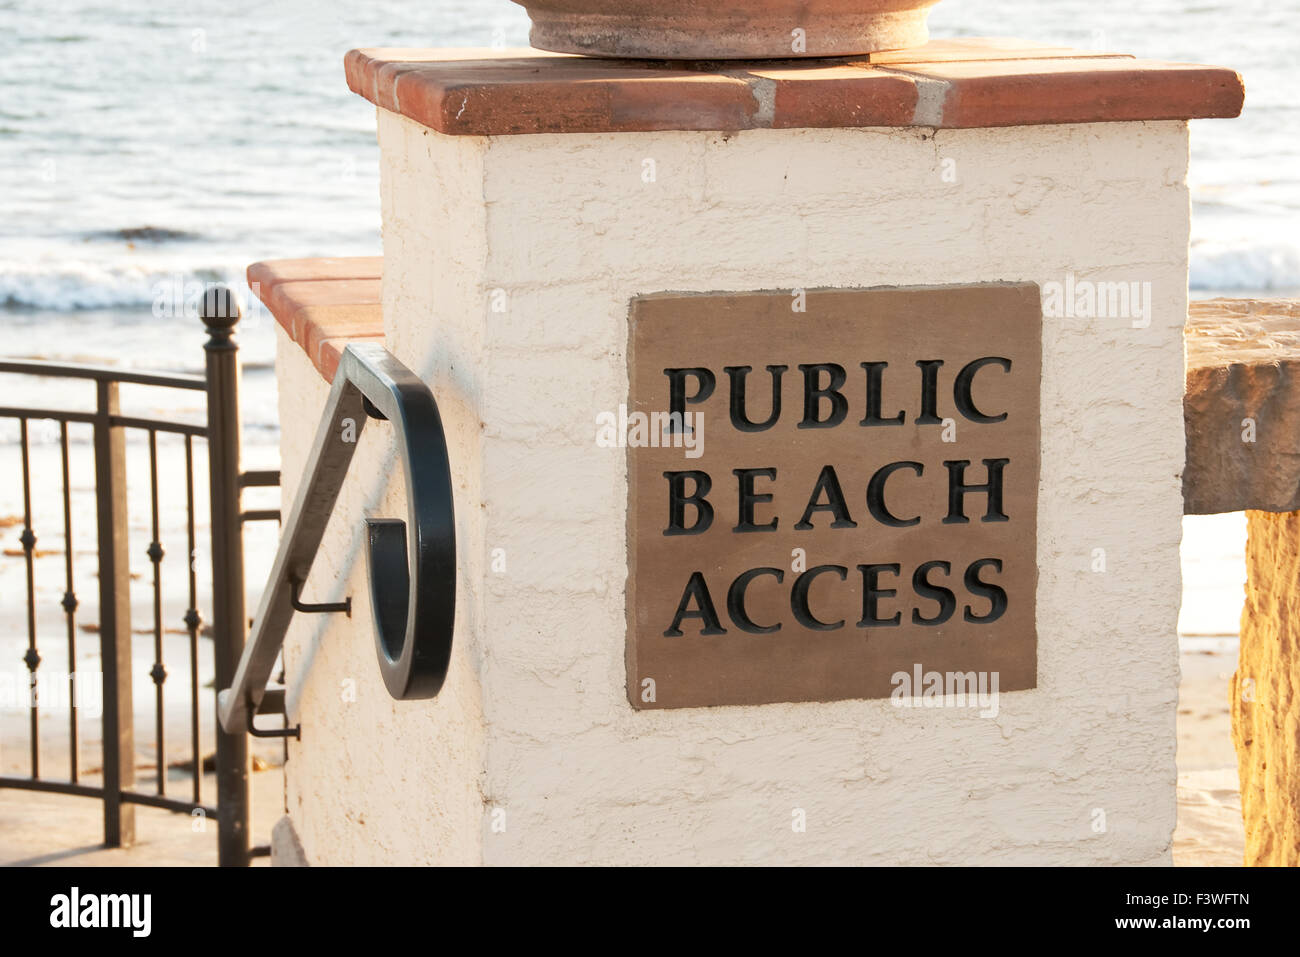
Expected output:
{"points": [[944, 84], [323, 304]]}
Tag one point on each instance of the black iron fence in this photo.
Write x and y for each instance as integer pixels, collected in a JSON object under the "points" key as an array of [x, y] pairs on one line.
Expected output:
{"points": [[226, 480]]}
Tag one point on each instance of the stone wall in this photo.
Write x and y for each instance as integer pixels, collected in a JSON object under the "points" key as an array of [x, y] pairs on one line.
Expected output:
{"points": [[1266, 691]]}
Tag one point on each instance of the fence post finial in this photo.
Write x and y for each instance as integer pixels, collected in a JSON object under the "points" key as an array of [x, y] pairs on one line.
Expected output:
{"points": [[220, 315]]}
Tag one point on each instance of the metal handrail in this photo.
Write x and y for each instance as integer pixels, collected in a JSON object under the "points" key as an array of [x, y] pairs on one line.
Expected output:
{"points": [[412, 578]]}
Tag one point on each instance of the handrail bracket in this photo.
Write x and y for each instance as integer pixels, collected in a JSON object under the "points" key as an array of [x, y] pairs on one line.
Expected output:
{"points": [[295, 589], [272, 703]]}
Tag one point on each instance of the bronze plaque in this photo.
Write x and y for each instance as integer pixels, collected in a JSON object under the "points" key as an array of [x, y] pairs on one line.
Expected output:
{"points": [[823, 499]]}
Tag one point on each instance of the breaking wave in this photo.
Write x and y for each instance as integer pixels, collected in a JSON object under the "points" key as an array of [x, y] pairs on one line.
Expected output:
{"points": [[1258, 267], [82, 284]]}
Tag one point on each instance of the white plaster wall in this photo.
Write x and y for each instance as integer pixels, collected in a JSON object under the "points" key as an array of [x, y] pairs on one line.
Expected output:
{"points": [[567, 229], [373, 780]]}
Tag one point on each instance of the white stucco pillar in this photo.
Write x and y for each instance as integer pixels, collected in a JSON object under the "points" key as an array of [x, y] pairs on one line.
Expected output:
{"points": [[526, 204]]}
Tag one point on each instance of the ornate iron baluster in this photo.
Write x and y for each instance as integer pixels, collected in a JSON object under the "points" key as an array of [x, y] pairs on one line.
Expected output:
{"points": [[70, 610], [32, 659], [192, 620], [158, 673]]}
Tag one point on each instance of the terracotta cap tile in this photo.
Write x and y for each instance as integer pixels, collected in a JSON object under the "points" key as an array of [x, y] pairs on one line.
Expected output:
{"points": [[326, 359], [528, 92], [339, 296], [322, 303], [274, 271], [1029, 92], [945, 84], [837, 96]]}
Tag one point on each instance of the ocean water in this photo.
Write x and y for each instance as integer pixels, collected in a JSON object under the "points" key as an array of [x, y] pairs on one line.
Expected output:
{"points": [[142, 141], [147, 146]]}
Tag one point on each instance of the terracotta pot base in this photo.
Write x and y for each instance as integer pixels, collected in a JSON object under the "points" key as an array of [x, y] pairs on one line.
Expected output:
{"points": [[714, 38]]}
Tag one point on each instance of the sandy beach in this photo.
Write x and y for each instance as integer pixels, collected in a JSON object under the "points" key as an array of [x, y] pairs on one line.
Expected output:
{"points": [[1210, 831]]}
